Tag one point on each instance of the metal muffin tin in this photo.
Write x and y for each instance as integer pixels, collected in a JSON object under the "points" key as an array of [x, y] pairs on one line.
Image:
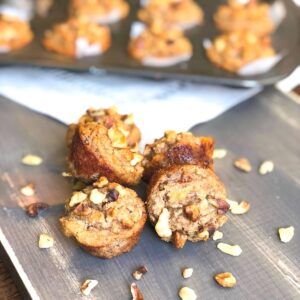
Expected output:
{"points": [[286, 40]]}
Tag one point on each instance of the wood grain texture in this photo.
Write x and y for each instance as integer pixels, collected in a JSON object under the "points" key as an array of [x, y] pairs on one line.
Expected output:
{"points": [[267, 127]]}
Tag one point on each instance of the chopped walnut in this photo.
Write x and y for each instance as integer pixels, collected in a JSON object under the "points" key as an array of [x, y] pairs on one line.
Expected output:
{"points": [[139, 272], [28, 190], [192, 212], [117, 137], [33, 208], [66, 174], [129, 120], [241, 208], [219, 153], [45, 241], [234, 250], [226, 280], [101, 182], [88, 286], [187, 293], [187, 272], [97, 197], [266, 167], [217, 235], [136, 159], [232, 203], [162, 226], [243, 164], [76, 198], [179, 240], [32, 160], [136, 292], [286, 234]]}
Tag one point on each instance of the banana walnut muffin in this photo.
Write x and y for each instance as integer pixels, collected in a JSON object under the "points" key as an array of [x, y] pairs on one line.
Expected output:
{"points": [[177, 149], [186, 202], [158, 46], [77, 39], [14, 33], [252, 15], [105, 218], [181, 13], [232, 51], [99, 11]]}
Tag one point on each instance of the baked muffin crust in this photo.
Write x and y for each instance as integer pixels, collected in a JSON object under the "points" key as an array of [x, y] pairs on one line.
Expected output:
{"points": [[177, 149], [77, 39], [232, 51], [253, 16], [186, 202], [99, 11], [106, 219], [180, 13], [160, 46], [98, 151], [14, 33]]}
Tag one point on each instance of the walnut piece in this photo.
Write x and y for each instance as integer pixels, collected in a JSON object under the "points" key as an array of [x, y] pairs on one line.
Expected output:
{"points": [[179, 240], [232, 203], [32, 209], [88, 286], [76, 198], [45, 241], [243, 164], [187, 293], [32, 160], [139, 272], [136, 292], [187, 272], [266, 167], [162, 226], [136, 159], [233, 250], [192, 212], [241, 208], [28, 190], [217, 235], [117, 137], [97, 197], [219, 153], [226, 280], [286, 234], [101, 182]]}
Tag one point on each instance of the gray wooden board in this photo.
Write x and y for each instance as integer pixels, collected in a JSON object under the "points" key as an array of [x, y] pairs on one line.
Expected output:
{"points": [[266, 127]]}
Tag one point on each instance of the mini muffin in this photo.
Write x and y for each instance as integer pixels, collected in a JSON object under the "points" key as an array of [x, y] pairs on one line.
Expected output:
{"points": [[106, 219], [177, 149], [99, 11], [98, 151], [77, 39], [236, 49], [109, 117], [14, 33], [186, 202], [252, 15], [181, 13], [158, 46]]}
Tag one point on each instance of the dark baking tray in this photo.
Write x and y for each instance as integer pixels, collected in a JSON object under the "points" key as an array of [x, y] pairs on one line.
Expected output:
{"points": [[286, 39]]}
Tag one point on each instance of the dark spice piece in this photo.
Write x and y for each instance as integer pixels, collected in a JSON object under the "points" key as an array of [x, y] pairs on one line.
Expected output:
{"points": [[112, 195]]}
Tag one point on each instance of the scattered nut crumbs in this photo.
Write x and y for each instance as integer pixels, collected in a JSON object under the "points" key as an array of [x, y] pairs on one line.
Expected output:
{"points": [[226, 279], [66, 174], [243, 164], [28, 190], [97, 197], [45, 241], [136, 292], [232, 203], [32, 160], [87, 286], [139, 272], [234, 250], [217, 235], [77, 197], [241, 208], [266, 167], [187, 272], [286, 234], [162, 226], [219, 153], [187, 293], [32, 209]]}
